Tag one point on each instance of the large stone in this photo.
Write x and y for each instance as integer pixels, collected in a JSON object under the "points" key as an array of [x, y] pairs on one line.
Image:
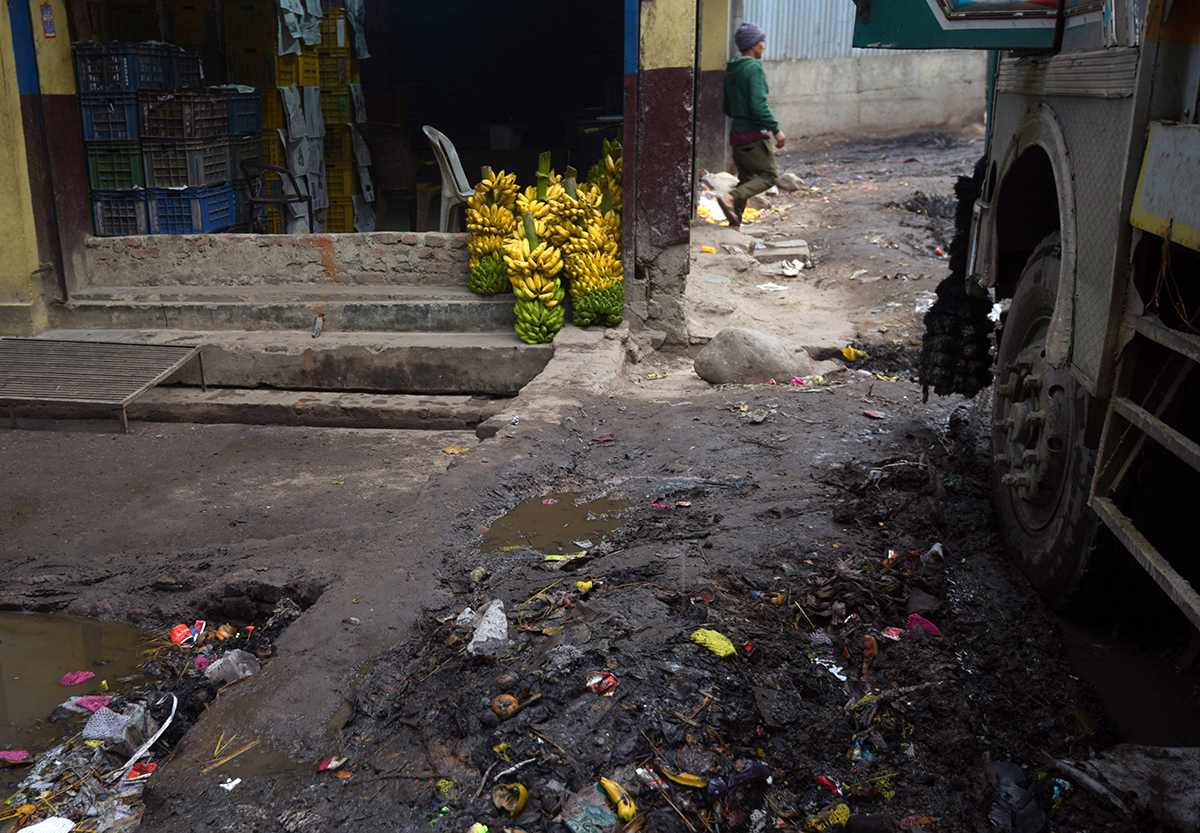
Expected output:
{"points": [[789, 182], [738, 355], [719, 181]]}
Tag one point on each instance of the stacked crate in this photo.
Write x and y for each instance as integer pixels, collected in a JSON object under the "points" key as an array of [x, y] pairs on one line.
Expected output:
{"points": [[110, 77], [338, 70]]}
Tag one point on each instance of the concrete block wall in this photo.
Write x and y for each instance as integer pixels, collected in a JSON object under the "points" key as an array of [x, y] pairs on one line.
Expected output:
{"points": [[878, 96], [385, 257]]}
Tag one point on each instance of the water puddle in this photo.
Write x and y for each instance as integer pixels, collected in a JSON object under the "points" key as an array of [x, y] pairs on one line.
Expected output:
{"points": [[36, 650], [556, 524], [1146, 699]]}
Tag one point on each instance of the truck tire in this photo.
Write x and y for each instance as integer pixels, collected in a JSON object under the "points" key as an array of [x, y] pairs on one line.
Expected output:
{"points": [[1042, 468]]}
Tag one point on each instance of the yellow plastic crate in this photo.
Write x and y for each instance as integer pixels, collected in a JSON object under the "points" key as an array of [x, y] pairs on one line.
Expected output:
{"points": [[335, 69], [339, 217], [272, 149], [272, 109], [355, 75], [335, 32], [341, 181], [336, 105], [303, 69], [274, 220], [339, 145], [250, 24]]}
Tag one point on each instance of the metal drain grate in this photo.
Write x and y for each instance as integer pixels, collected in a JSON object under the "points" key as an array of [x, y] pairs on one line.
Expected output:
{"points": [[34, 370]]}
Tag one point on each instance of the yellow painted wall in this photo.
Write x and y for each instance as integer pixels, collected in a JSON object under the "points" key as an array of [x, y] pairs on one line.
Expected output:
{"points": [[56, 74], [668, 34], [22, 308], [714, 34]]}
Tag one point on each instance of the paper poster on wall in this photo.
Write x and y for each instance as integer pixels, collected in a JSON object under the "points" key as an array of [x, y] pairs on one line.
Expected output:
{"points": [[48, 21]]}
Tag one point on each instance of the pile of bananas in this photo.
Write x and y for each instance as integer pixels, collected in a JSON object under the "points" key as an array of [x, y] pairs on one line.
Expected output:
{"points": [[490, 219], [533, 268], [590, 231]]}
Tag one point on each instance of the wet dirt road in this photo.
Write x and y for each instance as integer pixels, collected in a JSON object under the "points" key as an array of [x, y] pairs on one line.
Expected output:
{"points": [[734, 495]]}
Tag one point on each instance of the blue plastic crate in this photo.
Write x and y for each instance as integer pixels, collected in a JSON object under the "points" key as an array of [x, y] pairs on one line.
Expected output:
{"points": [[187, 70], [245, 113], [191, 210], [122, 67], [109, 117], [120, 212]]}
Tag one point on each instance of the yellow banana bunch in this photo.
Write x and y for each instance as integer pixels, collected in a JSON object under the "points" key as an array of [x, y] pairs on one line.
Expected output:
{"points": [[545, 260], [540, 209], [593, 272], [485, 244], [491, 219], [502, 185]]}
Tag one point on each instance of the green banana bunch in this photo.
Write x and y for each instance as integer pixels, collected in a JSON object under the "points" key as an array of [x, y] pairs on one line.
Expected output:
{"points": [[489, 274], [606, 306], [537, 323]]}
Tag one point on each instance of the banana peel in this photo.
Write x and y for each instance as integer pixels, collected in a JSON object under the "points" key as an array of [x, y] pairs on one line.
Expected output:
{"points": [[626, 809], [510, 797], [684, 778]]}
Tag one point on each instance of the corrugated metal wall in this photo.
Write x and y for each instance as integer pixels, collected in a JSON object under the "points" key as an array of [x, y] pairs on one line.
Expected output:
{"points": [[805, 28]]}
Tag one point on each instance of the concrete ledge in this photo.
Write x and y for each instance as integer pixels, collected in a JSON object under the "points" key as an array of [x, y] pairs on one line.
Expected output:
{"points": [[251, 259], [266, 407], [425, 363]]}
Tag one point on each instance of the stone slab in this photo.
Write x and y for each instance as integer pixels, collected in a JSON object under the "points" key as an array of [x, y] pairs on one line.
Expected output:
{"points": [[427, 363]]}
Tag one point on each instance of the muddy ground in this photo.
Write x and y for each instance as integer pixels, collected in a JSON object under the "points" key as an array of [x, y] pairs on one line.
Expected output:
{"points": [[732, 495]]}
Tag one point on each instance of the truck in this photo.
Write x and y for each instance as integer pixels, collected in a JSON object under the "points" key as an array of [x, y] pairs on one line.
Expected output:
{"points": [[1083, 222]]}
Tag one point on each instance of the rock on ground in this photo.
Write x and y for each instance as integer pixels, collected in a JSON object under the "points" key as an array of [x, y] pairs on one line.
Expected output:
{"points": [[738, 355], [789, 182]]}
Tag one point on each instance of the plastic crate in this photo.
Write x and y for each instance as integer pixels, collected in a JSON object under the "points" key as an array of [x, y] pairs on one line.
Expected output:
{"points": [[191, 22], [339, 146], [115, 166], [190, 210], [341, 181], [187, 70], [334, 31], [339, 217], [274, 221], [245, 112], [109, 117], [336, 106], [272, 184], [355, 75], [121, 67], [272, 149], [272, 110], [244, 149], [250, 25], [182, 114], [186, 163], [303, 69], [246, 214], [119, 212], [254, 67], [134, 21], [335, 69]]}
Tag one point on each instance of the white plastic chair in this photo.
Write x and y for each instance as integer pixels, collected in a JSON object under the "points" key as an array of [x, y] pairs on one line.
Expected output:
{"points": [[455, 186]]}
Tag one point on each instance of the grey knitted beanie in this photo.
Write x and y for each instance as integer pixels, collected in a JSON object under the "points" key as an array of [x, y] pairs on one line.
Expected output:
{"points": [[747, 35]]}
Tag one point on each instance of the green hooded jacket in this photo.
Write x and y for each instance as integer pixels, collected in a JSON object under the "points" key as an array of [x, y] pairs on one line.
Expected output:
{"points": [[746, 96]]}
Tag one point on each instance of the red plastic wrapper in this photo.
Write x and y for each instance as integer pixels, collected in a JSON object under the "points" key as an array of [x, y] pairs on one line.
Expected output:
{"points": [[826, 783], [601, 683]]}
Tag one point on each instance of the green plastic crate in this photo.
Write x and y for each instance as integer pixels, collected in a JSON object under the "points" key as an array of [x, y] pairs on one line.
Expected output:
{"points": [[115, 166]]}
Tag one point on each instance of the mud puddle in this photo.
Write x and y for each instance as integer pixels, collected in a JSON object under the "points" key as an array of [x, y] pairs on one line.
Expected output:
{"points": [[1127, 677], [555, 524], [36, 650]]}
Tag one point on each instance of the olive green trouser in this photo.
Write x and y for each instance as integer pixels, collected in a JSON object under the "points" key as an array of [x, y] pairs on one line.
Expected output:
{"points": [[757, 171]]}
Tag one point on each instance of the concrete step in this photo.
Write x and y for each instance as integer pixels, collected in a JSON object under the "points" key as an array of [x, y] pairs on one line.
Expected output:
{"points": [[422, 363], [330, 409], [287, 307]]}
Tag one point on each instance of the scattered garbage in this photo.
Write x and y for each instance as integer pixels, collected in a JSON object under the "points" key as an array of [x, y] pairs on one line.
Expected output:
{"points": [[772, 287], [708, 250], [716, 642], [853, 354], [599, 682], [916, 620], [76, 677], [1014, 804], [491, 630], [232, 667]]}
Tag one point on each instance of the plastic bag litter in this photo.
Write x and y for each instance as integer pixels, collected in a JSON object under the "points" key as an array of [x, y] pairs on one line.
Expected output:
{"points": [[86, 703], [491, 630], [105, 724], [233, 666], [51, 825], [714, 641], [75, 678]]}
